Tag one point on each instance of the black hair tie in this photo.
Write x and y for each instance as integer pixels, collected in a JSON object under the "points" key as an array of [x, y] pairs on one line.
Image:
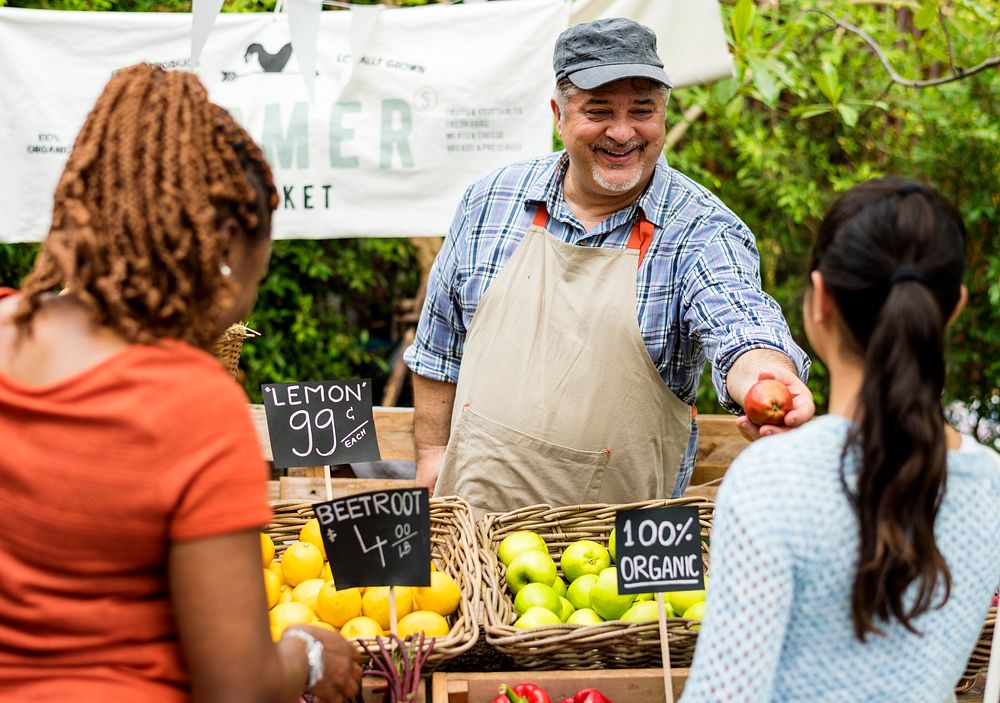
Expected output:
{"points": [[906, 273], [910, 189]]}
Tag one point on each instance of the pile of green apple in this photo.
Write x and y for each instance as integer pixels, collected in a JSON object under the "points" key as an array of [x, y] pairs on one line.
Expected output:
{"points": [[586, 592]]}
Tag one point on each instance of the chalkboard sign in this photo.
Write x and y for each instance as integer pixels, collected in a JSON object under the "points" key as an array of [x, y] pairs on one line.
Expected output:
{"points": [[658, 549], [314, 423], [381, 538]]}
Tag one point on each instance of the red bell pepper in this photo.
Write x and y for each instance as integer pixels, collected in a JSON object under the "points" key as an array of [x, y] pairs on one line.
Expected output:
{"points": [[522, 693], [587, 695]]}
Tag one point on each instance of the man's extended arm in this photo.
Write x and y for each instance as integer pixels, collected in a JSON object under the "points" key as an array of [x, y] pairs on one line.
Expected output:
{"points": [[433, 402]]}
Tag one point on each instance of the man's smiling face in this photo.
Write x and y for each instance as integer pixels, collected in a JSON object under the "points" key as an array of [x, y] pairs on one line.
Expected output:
{"points": [[613, 135]]}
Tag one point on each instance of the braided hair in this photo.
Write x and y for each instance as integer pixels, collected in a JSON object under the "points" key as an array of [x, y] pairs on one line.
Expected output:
{"points": [[135, 234]]}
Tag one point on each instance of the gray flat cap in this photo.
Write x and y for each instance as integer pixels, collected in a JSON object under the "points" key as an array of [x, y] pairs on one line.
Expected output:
{"points": [[606, 50]]}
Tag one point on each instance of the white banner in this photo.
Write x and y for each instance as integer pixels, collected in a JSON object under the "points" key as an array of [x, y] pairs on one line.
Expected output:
{"points": [[442, 95], [437, 97]]}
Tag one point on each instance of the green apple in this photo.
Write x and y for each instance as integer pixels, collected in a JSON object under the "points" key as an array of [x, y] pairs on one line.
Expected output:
{"points": [[650, 596], [565, 609], [584, 557], [584, 616], [536, 595], [645, 611], [695, 612], [611, 545], [530, 567], [604, 597], [559, 586], [682, 600], [578, 592], [537, 617], [519, 542]]}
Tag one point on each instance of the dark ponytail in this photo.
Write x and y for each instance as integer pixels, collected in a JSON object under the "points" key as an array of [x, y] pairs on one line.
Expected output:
{"points": [[892, 254]]}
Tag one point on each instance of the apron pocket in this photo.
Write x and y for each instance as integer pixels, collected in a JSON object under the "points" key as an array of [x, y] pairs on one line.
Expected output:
{"points": [[498, 468]]}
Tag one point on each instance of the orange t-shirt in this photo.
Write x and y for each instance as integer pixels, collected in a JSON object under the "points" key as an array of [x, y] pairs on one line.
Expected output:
{"points": [[99, 474]]}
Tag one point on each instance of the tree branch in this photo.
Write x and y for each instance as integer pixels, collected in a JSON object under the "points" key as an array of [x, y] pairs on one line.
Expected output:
{"points": [[957, 74], [676, 132], [947, 35]]}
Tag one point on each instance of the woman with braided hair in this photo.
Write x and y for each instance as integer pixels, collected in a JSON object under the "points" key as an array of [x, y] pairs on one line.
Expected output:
{"points": [[132, 490], [854, 559]]}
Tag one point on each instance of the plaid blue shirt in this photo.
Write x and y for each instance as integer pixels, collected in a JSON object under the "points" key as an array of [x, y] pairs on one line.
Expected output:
{"points": [[698, 290]]}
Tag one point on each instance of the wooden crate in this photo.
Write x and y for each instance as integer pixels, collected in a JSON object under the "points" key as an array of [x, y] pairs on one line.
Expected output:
{"points": [[718, 441], [313, 489], [718, 444], [618, 685], [370, 690]]}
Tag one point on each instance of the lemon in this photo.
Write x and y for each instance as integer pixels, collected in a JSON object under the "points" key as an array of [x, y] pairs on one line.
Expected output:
{"points": [[361, 627], [327, 573], [323, 624], [284, 614], [275, 566], [272, 586], [442, 596], [375, 603], [306, 592], [285, 595], [338, 606], [310, 533], [430, 623], [266, 548], [301, 561]]}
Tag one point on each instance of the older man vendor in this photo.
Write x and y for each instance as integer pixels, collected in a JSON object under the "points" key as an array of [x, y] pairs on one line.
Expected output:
{"points": [[576, 299]]}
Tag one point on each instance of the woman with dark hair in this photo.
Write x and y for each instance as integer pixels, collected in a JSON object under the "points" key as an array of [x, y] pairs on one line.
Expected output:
{"points": [[854, 559], [132, 489]]}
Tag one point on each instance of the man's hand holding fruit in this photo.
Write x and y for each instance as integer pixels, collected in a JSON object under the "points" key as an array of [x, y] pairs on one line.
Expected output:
{"points": [[776, 403]]}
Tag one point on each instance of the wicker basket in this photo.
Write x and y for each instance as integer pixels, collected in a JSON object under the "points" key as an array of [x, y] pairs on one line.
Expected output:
{"points": [[227, 348], [452, 548], [606, 645], [980, 658]]}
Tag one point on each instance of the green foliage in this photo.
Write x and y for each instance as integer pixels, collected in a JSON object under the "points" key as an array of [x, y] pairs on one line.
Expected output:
{"points": [[15, 263], [325, 310], [811, 112]]}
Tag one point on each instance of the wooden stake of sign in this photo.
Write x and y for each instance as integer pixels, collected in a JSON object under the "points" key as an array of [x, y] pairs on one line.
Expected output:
{"points": [[329, 481], [668, 687], [392, 610]]}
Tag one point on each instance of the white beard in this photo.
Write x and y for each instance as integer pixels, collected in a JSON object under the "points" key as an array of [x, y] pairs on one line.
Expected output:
{"points": [[617, 186]]}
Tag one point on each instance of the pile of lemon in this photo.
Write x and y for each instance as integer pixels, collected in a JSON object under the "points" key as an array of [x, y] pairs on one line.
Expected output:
{"points": [[300, 589]]}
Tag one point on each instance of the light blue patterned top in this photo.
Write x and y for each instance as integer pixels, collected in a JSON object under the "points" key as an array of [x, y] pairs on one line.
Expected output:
{"points": [[784, 550]]}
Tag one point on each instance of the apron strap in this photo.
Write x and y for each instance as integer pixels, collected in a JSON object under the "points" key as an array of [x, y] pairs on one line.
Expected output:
{"points": [[639, 239], [541, 216]]}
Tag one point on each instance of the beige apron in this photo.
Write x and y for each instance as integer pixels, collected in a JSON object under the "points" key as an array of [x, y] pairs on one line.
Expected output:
{"points": [[558, 401]]}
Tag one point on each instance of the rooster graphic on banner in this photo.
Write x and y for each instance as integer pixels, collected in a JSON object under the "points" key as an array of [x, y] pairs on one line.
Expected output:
{"points": [[271, 63], [268, 62]]}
